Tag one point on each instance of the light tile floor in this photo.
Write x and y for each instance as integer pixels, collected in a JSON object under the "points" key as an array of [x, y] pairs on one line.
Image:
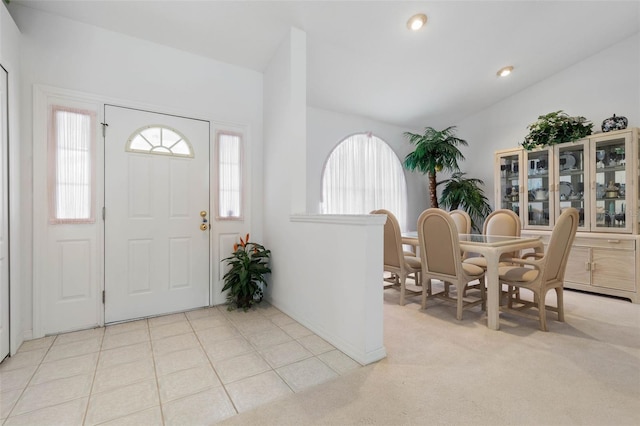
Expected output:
{"points": [[191, 368]]}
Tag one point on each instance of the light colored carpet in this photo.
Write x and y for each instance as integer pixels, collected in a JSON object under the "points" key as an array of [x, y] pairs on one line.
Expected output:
{"points": [[441, 371]]}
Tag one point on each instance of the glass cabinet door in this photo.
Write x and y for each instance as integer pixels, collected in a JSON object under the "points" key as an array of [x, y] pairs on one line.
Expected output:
{"points": [[509, 190], [570, 160], [539, 189], [610, 197]]}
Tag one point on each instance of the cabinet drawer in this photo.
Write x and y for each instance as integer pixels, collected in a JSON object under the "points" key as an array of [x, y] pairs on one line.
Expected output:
{"points": [[609, 243]]}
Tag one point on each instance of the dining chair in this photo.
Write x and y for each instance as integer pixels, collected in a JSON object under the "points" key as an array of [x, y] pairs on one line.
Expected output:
{"points": [[503, 222], [399, 265], [441, 260], [462, 220], [463, 224], [542, 273]]}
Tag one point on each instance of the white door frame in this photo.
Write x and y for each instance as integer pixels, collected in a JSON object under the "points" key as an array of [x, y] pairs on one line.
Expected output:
{"points": [[221, 235], [5, 293], [153, 209], [45, 234]]}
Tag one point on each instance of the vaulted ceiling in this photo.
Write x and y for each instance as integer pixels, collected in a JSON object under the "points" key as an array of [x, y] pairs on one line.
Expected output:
{"points": [[363, 60]]}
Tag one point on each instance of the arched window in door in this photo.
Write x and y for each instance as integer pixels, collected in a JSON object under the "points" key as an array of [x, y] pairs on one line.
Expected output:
{"points": [[155, 139], [361, 174]]}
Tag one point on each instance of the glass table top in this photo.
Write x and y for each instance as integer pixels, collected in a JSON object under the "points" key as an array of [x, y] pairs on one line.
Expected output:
{"points": [[479, 239]]}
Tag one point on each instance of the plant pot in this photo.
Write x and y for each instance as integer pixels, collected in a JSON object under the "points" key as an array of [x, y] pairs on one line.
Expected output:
{"points": [[244, 302]]}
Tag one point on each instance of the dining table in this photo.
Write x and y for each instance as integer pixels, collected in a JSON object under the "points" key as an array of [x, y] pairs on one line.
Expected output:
{"points": [[492, 247]]}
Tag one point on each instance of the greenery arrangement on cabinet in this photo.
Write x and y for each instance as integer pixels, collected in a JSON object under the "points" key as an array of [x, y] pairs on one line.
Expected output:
{"points": [[554, 128], [246, 276], [466, 193]]}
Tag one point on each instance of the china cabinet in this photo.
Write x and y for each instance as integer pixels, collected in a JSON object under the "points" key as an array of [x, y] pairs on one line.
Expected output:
{"points": [[599, 176]]}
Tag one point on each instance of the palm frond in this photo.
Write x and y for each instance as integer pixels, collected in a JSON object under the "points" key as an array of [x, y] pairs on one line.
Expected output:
{"points": [[466, 193]]}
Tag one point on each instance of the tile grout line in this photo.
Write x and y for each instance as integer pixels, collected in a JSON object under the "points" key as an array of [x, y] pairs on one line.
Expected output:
{"points": [[256, 350], [227, 319], [30, 379], [118, 365], [211, 362], [276, 371], [313, 355], [93, 380], [260, 355], [155, 372], [75, 375]]}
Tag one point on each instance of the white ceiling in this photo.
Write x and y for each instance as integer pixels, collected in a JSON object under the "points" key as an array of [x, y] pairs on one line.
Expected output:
{"points": [[361, 57]]}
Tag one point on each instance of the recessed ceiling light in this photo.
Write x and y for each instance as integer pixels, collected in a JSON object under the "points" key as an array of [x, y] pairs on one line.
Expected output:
{"points": [[417, 21], [503, 72]]}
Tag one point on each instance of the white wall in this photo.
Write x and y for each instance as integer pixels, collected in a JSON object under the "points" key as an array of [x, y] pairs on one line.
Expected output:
{"points": [[65, 54], [326, 129], [10, 60], [326, 269], [596, 88]]}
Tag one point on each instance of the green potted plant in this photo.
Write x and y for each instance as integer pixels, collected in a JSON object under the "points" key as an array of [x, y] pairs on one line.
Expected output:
{"points": [[436, 150], [554, 128], [246, 276], [465, 193]]}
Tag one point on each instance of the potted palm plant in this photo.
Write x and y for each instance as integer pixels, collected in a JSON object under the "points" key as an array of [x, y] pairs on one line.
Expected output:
{"points": [[436, 150], [465, 193], [246, 276]]}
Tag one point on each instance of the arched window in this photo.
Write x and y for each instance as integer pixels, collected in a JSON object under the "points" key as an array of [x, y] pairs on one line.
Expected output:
{"points": [[363, 174], [160, 140]]}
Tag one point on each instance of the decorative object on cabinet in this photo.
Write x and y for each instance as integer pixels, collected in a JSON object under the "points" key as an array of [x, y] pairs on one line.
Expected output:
{"points": [[568, 162], [612, 190], [566, 189], [540, 194], [614, 123], [554, 128], [436, 150]]}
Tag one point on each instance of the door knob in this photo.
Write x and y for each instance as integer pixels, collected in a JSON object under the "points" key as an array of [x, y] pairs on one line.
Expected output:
{"points": [[204, 226]]}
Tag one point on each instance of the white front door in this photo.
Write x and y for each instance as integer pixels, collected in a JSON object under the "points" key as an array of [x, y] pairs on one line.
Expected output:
{"points": [[156, 191], [4, 222]]}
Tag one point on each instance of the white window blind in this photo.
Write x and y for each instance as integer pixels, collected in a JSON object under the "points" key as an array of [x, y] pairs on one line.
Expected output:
{"points": [[71, 165], [229, 176], [363, 174]]}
